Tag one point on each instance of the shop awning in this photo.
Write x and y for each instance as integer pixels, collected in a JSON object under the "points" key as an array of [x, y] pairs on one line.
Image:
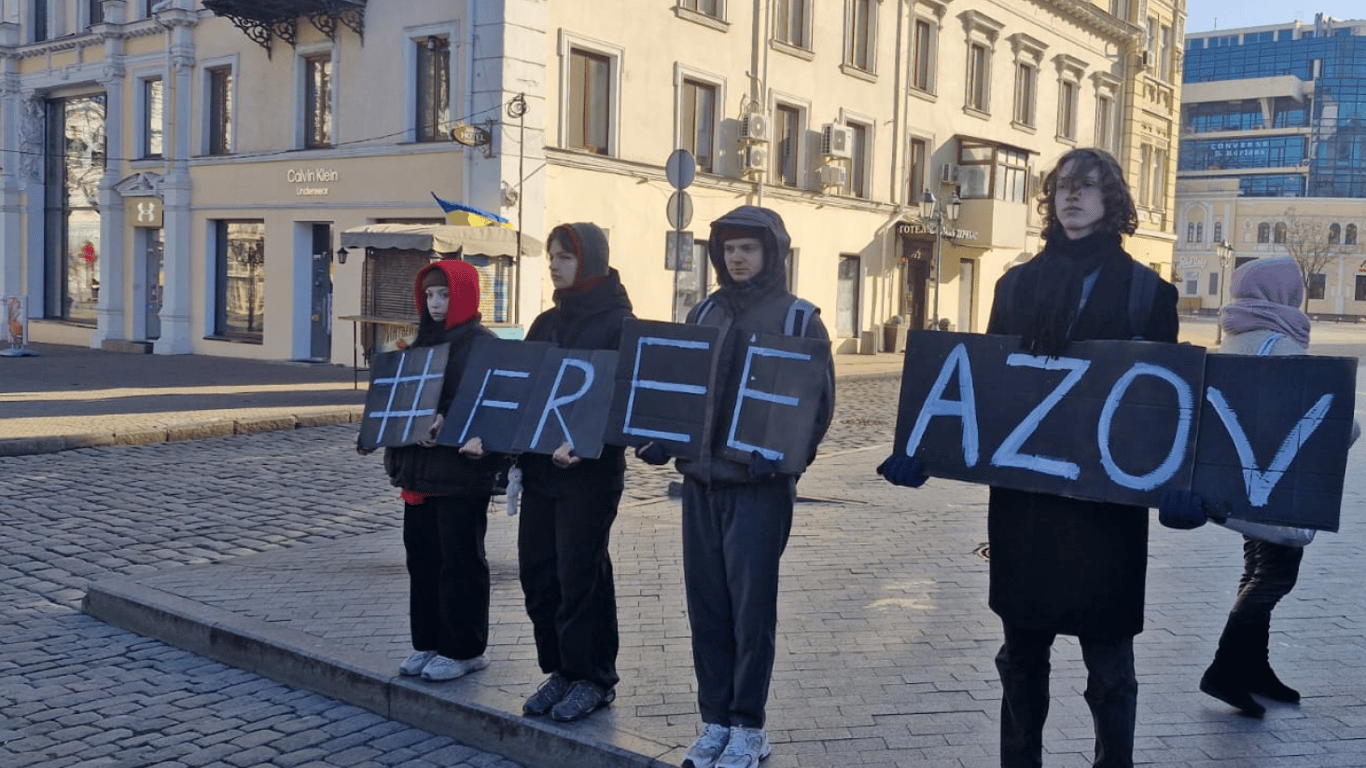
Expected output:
{"points": [[441, 238], [263, 20]]}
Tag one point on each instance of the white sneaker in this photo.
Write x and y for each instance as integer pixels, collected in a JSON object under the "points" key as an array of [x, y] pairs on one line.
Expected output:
{"points": [[442, 668], [415, 662], [747, 746], [704, 752]]}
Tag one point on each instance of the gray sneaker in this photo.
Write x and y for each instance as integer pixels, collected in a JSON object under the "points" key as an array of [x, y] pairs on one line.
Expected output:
{"points": [[708, 748], [548, 695], [442, 668], [582, 700], [747, 746], [416, 661]]}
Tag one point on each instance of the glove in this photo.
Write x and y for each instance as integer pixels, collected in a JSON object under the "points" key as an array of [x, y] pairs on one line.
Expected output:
{"points": [[761, 466], [900, 469], [1181, 509], [652, 454]]}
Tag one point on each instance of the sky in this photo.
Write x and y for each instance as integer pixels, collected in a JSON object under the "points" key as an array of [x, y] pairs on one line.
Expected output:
{"points": [[1205, 15]]}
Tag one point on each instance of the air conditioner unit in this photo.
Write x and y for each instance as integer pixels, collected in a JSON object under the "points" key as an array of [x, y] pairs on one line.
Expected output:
{"points": [[837, 140], [755, 159], [755, 127], [1147, 60], [832, 175], [948, 173]]}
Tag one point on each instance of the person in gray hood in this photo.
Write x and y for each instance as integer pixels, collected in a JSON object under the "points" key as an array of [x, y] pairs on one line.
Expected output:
{"points": [[736, 516]]}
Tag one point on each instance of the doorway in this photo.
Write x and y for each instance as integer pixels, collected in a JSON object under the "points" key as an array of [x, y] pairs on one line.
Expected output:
{"points": [[320, 311], [154, 280]]}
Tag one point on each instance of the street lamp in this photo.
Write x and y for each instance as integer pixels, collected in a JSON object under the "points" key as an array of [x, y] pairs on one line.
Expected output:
{"points": [[940, 214], [1225, 252]]}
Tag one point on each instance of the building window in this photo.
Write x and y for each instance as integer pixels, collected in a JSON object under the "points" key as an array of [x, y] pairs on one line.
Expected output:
{"points": [[790, 19], [710, 8], [858, 163], [1263, 232], [1026, 75], [220, 111], [1152, 191], [919, 157], [979, 77], [1192, 283], [1361, 288], [39, 20], [697, 117], [989, 170], [1164, 54], [1278, 234], [847, 297], [1334, 233], [1120, 9], [1318, 283], [152, 110], [1190, 231], [1218, 232], [860, 47], [922, 55], [1105, 122], [96, 12], [75, 166], [433, 88], [590, 101], [240, 310], [1067, 110], [495, 278], [786, 144], [318, 101], [1214, 283], [1351, 236]]}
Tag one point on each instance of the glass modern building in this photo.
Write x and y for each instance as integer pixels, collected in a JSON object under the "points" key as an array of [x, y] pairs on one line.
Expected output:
{"points": [[1273, 133]]}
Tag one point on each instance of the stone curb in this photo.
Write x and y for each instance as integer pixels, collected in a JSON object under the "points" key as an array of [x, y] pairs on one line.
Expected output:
{"points": [[465, 710]]}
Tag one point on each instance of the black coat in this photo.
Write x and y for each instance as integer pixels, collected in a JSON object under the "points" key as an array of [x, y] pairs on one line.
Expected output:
{"points": [[442, 469], [589, 319], [1066, 565]]}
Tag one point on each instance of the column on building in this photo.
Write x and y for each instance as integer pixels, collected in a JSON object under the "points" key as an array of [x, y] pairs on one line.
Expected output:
{"points": [[110, 307], [176, 309]]}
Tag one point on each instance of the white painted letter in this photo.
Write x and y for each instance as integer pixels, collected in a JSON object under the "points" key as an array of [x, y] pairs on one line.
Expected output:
{"points": [[964, 409], [754, 394], [505, 405], [554, 403], [660, 386], [1008, 454], [1177, 454], [1260, 484]]}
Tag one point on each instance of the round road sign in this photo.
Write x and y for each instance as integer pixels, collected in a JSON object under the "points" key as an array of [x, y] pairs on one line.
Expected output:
{"points": [[681, 169]]}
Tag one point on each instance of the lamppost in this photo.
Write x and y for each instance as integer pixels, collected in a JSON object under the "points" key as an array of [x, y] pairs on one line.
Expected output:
{"points": [[940, 214], [1225, 252]]}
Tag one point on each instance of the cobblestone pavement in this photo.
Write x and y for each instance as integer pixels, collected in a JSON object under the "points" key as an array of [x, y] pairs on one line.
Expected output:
{"points": [[885, 657]]}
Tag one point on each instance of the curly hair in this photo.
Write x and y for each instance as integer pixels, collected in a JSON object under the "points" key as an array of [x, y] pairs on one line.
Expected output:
{"points": [[1120, 214]]}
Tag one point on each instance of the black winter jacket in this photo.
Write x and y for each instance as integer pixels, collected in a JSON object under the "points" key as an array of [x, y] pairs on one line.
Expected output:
{"points": [[1059, 564], [588, 319]]}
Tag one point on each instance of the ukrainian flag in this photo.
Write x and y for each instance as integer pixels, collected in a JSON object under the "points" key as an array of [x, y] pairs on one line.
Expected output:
{"points": [[468, 216]]}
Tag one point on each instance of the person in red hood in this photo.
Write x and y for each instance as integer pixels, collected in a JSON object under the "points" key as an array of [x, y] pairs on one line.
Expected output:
{"points": [[446, 493]]}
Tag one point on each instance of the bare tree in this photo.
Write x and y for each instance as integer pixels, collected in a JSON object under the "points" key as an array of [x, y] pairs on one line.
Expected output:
{"points": [[1308, 243]]}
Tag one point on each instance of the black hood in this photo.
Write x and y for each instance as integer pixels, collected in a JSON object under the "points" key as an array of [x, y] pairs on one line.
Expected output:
{"points": [[769, 228]]}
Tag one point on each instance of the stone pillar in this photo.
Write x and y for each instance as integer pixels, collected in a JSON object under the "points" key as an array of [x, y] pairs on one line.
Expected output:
{"points": [[179, 18], [11, 182], [111, 309]]}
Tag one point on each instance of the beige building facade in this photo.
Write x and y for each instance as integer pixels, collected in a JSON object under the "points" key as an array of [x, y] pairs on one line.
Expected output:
{"points": [[184, 172]]}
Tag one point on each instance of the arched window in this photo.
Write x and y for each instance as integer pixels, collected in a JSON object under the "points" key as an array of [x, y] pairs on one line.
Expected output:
{"points": [[1279, 236], [1334, 234], [1351, 238], [1264, 232]]}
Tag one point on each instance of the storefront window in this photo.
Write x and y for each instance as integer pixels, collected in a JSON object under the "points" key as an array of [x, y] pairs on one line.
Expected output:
{"points": [[76, 156], [241, 283]]}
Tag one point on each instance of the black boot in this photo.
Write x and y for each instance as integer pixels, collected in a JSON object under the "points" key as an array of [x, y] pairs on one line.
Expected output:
{"points": [[1228, 678], [1261, 679]]}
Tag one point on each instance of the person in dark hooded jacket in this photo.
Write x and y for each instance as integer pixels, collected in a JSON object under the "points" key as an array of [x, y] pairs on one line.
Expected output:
{"points": [[1061, 565], [569, 503], [446, 493], [736, 516]]}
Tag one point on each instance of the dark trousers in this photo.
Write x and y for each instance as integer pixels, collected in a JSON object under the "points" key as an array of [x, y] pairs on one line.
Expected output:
{"points": [[566, 575], [733, 538], [1111, 692], [448, 575], [1269, 573]]}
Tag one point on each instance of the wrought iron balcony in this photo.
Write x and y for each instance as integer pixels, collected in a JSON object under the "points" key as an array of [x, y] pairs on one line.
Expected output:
{"points": [[265, 20]]}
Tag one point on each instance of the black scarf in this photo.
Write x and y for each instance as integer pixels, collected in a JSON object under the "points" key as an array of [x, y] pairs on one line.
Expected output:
{"points": [[1053, 287]]}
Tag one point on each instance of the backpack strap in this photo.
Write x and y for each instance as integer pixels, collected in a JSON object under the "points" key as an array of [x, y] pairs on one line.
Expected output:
{"points": [[1265, 348], [1142, 293], [703, 309], [799, 315]]}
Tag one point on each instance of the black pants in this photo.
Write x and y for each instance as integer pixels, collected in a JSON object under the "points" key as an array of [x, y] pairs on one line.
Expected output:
{"points": [[448, 575], [1111, 692], [566, 575], [1269, 573], [733, 538]]}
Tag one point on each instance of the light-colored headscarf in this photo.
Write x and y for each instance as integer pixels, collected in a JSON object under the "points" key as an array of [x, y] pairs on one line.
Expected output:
{"points": [[1266, 296]]}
